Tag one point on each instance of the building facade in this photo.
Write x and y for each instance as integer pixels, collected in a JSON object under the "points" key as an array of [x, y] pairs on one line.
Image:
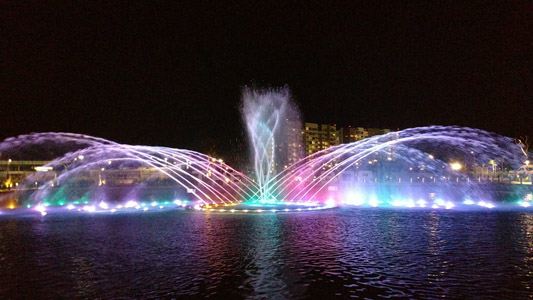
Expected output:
{"points": [[353, 134], [319, 137], [295, 145], [13, 172]]}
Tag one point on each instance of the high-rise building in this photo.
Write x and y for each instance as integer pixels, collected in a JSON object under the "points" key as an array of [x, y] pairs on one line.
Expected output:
{"points": [[295, 145], [319, 137], [377, 131], [290, 148], [353, 134]]}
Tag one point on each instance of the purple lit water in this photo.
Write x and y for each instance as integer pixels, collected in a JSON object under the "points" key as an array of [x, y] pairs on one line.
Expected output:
{"points": [[336, 253]]}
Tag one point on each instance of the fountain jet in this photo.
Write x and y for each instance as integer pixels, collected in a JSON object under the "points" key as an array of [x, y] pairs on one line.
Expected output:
{"points": [[266, 114]]}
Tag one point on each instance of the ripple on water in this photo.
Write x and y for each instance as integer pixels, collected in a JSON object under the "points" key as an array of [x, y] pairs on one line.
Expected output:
{"points": [[359, 253]]}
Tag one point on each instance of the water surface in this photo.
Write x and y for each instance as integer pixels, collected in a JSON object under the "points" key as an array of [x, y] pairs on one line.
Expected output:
{"points": [[336, 253]]}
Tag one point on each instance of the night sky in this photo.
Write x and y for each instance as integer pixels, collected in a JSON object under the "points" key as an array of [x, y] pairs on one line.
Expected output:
{"points": [[171, 74]]}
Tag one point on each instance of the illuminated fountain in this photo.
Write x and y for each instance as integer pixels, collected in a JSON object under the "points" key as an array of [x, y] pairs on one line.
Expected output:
{"points": [[418, 167], [432, 167], [265, 113], [81, 177]]}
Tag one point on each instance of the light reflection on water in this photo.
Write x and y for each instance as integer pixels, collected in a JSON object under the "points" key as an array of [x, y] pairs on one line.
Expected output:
{"points": [[339, 252]]}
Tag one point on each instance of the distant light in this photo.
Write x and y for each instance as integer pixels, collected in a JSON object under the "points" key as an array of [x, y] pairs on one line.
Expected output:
{"points": [[131, 204], [431, 156], [43, 169], [396, 203], [456, 166], [468, 202], [89, 208], [485, 204], [525, 204], [354, 199]]}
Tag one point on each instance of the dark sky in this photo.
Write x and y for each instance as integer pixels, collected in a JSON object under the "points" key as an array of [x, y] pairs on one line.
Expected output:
{"points": [[171, 74]]}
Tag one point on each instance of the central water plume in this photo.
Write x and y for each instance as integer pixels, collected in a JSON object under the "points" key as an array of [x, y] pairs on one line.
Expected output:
{"points": [[268, 115]]}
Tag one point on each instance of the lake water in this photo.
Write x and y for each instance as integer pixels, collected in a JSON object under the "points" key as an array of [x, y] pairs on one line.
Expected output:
{"points": [[335, 253]]}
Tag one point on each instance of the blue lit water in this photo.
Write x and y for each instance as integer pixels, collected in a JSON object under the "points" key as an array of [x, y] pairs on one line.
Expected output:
{"points": [[337, 253]]}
